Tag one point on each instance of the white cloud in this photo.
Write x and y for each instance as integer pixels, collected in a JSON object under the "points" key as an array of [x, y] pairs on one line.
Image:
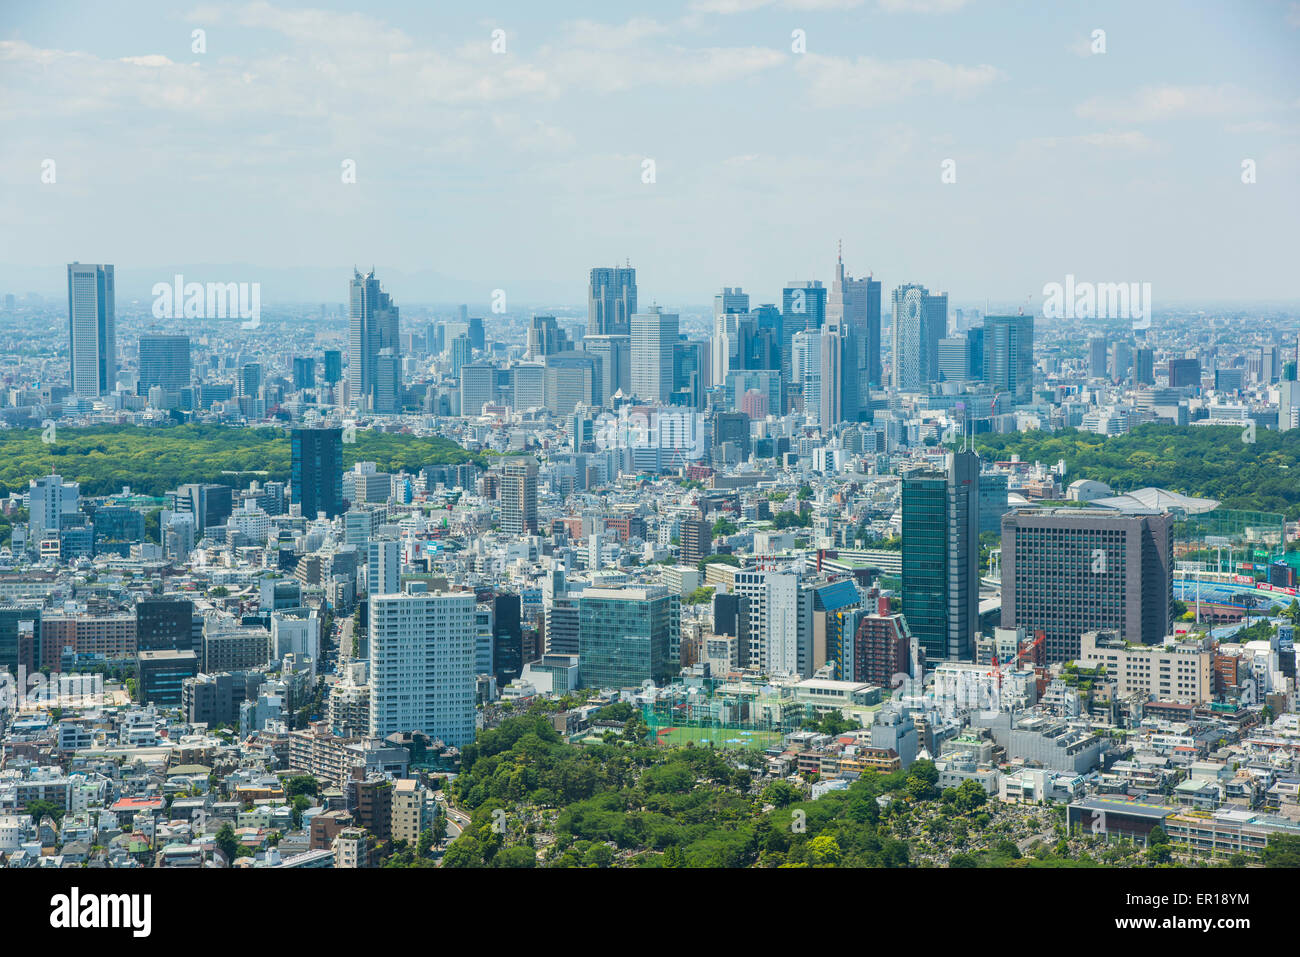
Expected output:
{"points": [[1167, 101], [868, 81]]}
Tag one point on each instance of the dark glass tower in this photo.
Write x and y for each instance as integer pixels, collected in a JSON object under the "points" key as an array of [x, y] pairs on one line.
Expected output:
{"points": [[316, 473]]}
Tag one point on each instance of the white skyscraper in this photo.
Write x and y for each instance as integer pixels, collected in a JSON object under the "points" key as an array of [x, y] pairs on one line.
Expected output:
{"points": [[729, 307], [422, 665], [91, 328], [653, 335]]}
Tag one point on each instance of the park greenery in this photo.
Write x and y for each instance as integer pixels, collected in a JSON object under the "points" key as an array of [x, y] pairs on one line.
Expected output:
{"points": [[1200, 461], [104, 459]]}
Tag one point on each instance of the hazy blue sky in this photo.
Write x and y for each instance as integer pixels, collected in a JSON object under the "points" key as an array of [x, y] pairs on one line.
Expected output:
{"points": [[495, 169]]}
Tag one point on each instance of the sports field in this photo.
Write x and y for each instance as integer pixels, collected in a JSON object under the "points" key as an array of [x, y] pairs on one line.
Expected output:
{"points": [[725, 738]]}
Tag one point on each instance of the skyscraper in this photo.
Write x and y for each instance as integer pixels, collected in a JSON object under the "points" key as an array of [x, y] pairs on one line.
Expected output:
{"points": [[422, 665], [857, 303], [92, 329], [611, 301], [1066, 571], [1009, 356], [545, 337], [941, 557], [333, 366], [839, 394], [304, 372], [316, 471], [519, 496], [164, 361], [653, 336], [614, 353], [920, 321], [729, 306], [372, 328]]}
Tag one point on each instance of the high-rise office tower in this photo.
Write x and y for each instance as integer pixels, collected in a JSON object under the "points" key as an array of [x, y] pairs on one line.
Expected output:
{"points": [[545, 337], [422, 665], [1066, 571], [476, 333], [941, 557], [507, 638], [462, 353], [477, 387], [92, 329], [250, 379], [653, 336], [806, 368], [387, 398], [519, 495], [611, 301], [571, 379], [1098, 348], [729, 306], [372, 329], [840, 392], [628, 635], [615, 355], [1009, 356], [920, 321], [789, 632], [304, 373], [954, 358], [803, 307], [1121, 360], [1144, 366], [164, 361], [50, 499], [333, 366], [316, 471], [1184, 373], [857, 303]]}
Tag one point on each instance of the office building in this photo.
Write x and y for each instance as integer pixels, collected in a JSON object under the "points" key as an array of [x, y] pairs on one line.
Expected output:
{"points": [[164, 624], [920, 321], [614, 354], [164, 362], [941, 557], [653, 335], [422, 665], [1009, 357], [372, 329], [316, 471], [1066, 571], [628, 636], [856, 304], [611, 301], [92, 329]]}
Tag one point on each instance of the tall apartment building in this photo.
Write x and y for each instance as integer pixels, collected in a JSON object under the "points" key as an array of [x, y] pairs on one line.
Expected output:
{"points": [[519, 495], [422, 665], [1066, 571], [92, 332], [696, 537]]}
